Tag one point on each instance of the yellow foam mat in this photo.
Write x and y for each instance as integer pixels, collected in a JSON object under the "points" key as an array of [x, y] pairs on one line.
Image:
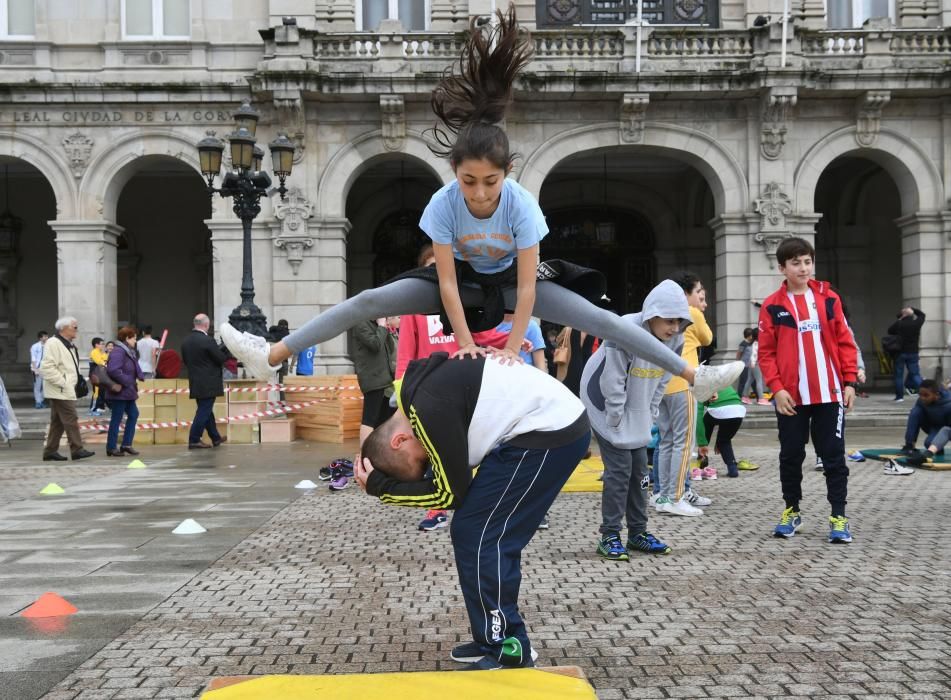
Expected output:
{"points": [[515, 684], [585, 476]]}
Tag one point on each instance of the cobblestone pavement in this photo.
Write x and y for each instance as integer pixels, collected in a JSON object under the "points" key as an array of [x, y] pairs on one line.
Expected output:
{"points": [[338, 583]]}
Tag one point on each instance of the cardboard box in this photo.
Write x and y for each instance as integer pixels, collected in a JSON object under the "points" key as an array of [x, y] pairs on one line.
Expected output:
{"points": [[278, 430]]}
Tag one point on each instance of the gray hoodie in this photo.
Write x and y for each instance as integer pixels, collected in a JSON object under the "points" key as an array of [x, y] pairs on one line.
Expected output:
{"points": [[622, 392]]}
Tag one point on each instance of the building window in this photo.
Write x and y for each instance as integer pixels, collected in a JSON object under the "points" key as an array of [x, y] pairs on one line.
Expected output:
{"points": [[156, 19], [850, 14], [560, 13], [17, 19], [412, 14]]}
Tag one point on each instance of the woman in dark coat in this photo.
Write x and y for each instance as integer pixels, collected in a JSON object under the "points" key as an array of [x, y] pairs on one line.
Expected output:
{"points": [[123, 368]]}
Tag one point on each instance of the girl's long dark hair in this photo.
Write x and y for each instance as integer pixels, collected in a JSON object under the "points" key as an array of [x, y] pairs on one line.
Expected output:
{"points": [[474, 93]]}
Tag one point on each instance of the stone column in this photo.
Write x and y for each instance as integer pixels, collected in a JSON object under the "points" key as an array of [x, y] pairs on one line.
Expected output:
{"points": [[86, 277], [330, 289], [811, 13], [449, 16], [335, 15], [227, 241], [925, 280], [741, 268]]}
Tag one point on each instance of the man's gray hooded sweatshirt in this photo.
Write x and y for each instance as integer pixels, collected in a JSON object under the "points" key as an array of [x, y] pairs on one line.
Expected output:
{"points": [[622, 392]]}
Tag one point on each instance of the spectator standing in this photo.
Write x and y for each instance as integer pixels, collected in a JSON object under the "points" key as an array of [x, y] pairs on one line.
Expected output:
{"points": [[148, 348], [755, 378], [98, 355], [374, 354], [677, 415], [36, 357], [533, 334], [743, 354], [123, 368], [204, 360], [908, 328], [60, 371]]}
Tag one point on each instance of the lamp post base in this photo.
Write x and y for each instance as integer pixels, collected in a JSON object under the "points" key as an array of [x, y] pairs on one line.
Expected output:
{"points": [[248, 318]]}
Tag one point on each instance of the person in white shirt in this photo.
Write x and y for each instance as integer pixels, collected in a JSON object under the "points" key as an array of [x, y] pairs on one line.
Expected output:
{"points": [[36, 357], [148, 349]]}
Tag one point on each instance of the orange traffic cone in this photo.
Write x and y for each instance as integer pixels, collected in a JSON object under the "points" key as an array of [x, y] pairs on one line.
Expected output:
{"points": [[50, 605]]}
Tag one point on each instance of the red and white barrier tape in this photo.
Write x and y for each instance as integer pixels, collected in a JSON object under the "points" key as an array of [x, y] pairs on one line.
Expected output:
{"points": [[278, 409], [266, 387]]}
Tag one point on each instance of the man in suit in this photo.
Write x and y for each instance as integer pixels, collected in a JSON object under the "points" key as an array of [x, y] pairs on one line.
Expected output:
{"points": [[203, 359]]}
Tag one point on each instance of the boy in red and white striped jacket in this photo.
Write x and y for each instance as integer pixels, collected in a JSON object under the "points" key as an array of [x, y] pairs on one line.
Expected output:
{"points": [[809, 361]]}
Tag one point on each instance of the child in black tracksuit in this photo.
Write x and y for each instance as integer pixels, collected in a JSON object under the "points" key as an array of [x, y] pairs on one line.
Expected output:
{"points": [[526, 432]]}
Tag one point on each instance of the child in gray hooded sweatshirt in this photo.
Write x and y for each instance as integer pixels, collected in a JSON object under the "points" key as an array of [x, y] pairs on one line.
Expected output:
{"points": [[621, 393]]}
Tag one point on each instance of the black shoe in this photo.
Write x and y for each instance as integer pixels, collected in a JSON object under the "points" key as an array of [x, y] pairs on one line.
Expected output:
{"points": [[199, 446], [219, 441], [112, 453], [129, 450], [55, 457], [82, 454], [918, 458]]}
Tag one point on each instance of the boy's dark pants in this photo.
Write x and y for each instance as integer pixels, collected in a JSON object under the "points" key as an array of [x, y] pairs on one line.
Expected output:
{"points": [[826, 423], [506, 501]]}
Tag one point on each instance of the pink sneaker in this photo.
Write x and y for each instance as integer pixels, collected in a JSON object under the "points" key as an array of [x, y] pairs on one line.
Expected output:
{"points": [[764, 402], [746, 399], [709, 473], [696, 474]]}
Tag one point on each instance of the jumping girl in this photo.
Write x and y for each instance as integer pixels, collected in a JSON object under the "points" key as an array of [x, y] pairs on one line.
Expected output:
{"points": [[486, 231]]}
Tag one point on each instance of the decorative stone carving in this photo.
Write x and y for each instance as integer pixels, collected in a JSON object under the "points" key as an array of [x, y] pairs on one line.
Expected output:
{"points": [[393, 111], [777, 105], [78, 148], [293, 214], [633, 114], [773, 207], [868, 121]]}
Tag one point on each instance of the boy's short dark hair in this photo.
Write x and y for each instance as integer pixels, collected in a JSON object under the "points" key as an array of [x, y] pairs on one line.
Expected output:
{"points": [[96, 341], [793, 247], [747, 332], [930, 385], [146, 330], [376, 448], [41, 334], [688, 281]]}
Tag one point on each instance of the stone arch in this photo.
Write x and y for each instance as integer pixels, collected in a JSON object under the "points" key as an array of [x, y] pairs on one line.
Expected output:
{"points": [[109, 172], [349, 162], [915, 174], [54, 168], [717, 165]]}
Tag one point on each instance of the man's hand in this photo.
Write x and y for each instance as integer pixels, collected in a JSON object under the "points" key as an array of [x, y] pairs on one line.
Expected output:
{"points": [[860, 376], [361, 470], [848, 398], [784, 403]]}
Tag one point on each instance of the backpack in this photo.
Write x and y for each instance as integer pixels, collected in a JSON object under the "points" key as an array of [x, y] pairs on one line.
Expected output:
{"points": [[891, 344]]}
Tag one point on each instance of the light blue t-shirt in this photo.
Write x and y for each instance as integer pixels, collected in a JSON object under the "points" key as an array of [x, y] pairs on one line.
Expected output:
{"points": [[489, 245], [533, 334]]}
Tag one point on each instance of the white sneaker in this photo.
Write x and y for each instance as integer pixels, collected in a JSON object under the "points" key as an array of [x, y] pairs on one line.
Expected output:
{"points": [[680, 507], [710, 378], [893, 468], [250, 350], [695, 499], [653, 499]]}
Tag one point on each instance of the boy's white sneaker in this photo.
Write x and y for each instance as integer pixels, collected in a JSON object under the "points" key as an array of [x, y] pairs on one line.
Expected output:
{"points": [[893, 468], [653, 499], [680, 507], [710, 378], [250, 350]]}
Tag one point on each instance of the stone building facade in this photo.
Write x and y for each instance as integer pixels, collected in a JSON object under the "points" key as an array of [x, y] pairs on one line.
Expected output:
{"points": [[697, 138]]}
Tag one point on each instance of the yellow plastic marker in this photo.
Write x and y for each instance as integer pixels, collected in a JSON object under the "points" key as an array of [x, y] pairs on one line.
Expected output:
{"points": [[136, 464], [585, 477], [515, 684], [52, 489]]}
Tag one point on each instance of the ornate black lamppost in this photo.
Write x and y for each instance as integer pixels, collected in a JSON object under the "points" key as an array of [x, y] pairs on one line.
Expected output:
{"points": [[246, 183]]}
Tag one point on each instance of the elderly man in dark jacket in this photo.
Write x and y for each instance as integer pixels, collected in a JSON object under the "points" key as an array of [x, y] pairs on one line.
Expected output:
{"points": [[204, 360]]}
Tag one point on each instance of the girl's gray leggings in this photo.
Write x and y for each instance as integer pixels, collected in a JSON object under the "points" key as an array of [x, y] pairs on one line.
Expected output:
{"points": [[553, 303]]}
